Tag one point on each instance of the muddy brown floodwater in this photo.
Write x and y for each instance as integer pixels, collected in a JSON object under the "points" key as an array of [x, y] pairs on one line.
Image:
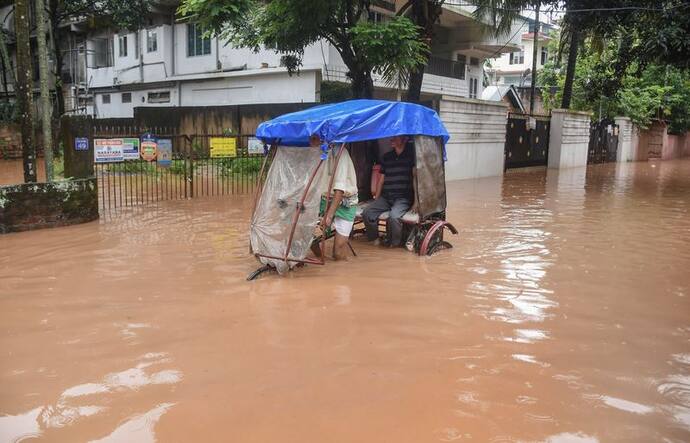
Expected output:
{"points": [[561, 315]]}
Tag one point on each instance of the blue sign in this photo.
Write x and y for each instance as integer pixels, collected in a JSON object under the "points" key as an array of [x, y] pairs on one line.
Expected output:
{"points": [[81, 144], [164, 154]]}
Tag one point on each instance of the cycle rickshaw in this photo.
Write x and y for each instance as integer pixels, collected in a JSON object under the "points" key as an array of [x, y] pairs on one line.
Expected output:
{"points": [[287, 198]]}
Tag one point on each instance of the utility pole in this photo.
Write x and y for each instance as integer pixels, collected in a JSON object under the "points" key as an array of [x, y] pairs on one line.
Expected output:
{"points": [[534, 59]]}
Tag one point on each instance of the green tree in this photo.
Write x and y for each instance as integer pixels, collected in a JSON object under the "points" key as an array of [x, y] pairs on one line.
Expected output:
{"points": [[643, 90], [425, 14], [654, 31], [289, 26]]}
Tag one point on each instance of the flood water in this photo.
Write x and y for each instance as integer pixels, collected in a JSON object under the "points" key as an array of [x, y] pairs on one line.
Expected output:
{"points": [[561, 315]]}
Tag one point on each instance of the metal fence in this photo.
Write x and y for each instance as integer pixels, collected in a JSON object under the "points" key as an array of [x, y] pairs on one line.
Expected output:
{"points": [[194, 170]]}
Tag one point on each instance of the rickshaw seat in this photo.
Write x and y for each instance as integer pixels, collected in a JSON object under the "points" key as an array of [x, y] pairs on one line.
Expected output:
{"points": [[408, 217]]}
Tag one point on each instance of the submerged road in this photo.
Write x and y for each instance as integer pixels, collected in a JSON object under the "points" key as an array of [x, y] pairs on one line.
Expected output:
{"points": [[561, 315]]}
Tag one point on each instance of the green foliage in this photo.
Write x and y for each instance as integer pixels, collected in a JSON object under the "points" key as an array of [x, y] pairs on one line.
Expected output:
{"points": [[334, 92], [125, 14], [8, 112], [391, 48], [641, 91]]}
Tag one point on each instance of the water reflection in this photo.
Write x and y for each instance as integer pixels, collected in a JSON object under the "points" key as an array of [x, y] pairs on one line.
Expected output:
{"points": [[66, 411], [520, 254], [138, 428]]}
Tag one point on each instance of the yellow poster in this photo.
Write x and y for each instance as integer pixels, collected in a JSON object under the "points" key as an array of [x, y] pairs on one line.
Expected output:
{"points": [[223, 146]]}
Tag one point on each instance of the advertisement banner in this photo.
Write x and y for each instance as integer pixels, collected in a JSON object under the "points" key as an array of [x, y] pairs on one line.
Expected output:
{"points": [[108, 150], [255, 146], [164, 156], [223, 146], [130, 148], [149, 147]]}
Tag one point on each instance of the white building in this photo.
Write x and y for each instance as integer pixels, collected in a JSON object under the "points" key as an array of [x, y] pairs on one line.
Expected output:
{"points": [[515, 68]]}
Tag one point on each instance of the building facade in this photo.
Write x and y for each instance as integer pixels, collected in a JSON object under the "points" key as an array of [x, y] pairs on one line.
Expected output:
{"points": [[108, 72], [515, 68]]}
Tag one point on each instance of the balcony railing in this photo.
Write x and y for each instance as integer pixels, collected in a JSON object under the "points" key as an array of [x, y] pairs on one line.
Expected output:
{"points": [[446, 68]]}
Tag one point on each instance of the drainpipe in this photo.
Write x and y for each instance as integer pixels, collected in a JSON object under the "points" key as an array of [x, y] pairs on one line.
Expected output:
{"points": [[218, 66], [141, 56], [172, 44]]}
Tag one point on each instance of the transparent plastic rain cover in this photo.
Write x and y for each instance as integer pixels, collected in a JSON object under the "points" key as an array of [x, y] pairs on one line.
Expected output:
{"points": [[285, 183]]}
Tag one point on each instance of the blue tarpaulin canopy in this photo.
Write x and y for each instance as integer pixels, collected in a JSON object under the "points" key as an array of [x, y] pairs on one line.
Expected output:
{"points": [[352, 121]]}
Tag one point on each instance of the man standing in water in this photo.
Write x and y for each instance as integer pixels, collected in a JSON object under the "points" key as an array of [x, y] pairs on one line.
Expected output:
{"points": [[340, 214], [395, 192]]}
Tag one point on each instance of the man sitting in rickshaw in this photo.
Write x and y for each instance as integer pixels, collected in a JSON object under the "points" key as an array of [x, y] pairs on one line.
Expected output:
{"points": [[395, 192], [340, 214]]}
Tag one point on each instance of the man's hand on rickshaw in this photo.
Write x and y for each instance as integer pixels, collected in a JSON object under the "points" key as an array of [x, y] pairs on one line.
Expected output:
{"points": [[326, 221]]}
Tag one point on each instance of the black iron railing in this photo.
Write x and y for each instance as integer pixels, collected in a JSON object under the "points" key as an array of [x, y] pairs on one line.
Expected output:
{"points": [[446, 68]]}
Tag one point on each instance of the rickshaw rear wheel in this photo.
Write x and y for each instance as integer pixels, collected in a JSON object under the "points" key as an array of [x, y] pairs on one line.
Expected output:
{"points": [[439, 247]]}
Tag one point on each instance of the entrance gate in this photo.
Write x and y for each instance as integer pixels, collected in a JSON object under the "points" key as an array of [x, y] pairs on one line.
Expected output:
{"points": [[527, 140], [198, 166], [603, 142]]}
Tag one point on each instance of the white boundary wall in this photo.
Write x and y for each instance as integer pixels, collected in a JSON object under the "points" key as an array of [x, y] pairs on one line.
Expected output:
{"points": [[569, 139], [625, 152], [477, 137]]}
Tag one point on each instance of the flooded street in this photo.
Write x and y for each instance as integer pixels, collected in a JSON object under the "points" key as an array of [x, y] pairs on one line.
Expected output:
{"points": [[561, 315]]}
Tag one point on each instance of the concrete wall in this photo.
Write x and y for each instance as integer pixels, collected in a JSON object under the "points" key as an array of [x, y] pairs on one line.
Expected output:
{"points": [[625, 151], [677, 146], [655, 143], [477, 137], [569, 139], [47, 205]]}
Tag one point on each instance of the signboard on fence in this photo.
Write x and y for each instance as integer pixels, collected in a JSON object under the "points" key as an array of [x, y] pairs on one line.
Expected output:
{"points": [[149, 147], [130, 148], [255, 146], [164, 156], [81, 144], [108, 150], [223, 146]]}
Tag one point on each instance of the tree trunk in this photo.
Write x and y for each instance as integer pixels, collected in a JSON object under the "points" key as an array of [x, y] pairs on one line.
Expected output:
{"points": [[535, 45], [362, 84], [570, 70], [414, 85], [24, 87], [55, 37], [46, 106]]}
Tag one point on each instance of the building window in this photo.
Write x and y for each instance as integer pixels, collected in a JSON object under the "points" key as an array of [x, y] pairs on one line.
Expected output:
{"points": [[122, 43], [377, 17], [517, 58], [159, 97], [102, 52], [474, 61], [474, 85], [126, 97], [460, 66], [105, 99], [544, 55], [196, 43], [151, 41]]}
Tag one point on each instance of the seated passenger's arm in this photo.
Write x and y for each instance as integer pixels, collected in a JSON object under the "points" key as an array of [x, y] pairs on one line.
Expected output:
{"points": [[379, 186]]}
